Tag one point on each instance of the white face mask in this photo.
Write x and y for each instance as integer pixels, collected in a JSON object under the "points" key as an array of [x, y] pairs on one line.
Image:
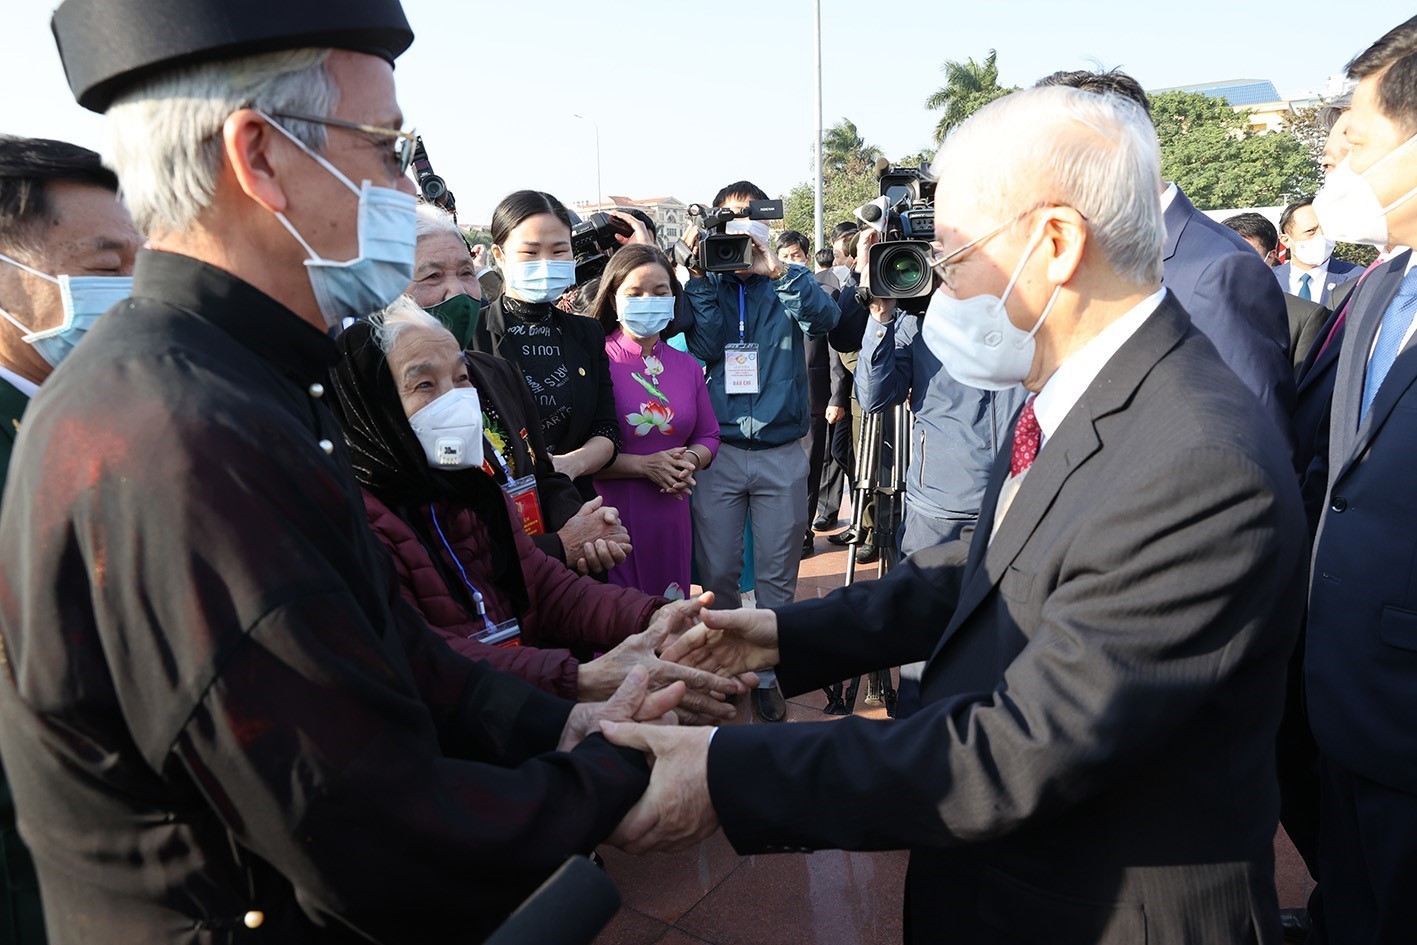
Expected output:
{"points": [[84, 299], [1349, 209], [1314, 251], [450, 430], [754, 227], [974, 339]]}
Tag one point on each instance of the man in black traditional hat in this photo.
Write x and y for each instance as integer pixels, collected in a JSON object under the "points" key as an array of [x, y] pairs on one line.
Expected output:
{"points": [[220, 721]]}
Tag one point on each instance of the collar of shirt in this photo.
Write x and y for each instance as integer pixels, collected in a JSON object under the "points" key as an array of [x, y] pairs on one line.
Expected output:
{"points": [[622, 342], [1317, 278], [1168, 195], [22, 384], [1076, 374], [238, 308]]}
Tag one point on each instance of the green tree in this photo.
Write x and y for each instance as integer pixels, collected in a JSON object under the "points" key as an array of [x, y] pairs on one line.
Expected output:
{"points": [[842, 192], [1213, 155], [969, 86], [1307, 127], [843, 145]]}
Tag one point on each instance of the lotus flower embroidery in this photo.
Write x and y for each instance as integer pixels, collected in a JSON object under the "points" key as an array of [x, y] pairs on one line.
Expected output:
{"points": [[652, 417]]}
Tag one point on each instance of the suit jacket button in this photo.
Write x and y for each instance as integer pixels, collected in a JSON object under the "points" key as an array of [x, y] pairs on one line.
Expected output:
{"points": [[254, 919], [1339, 503], [317, 390], [328, 447]]}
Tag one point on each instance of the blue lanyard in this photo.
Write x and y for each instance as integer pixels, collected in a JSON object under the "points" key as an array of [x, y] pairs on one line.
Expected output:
{"points": [[476, 594], [742, 322]]}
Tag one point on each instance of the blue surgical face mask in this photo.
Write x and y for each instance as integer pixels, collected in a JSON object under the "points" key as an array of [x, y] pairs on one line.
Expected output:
{"points": [[645, 316], [383, 269], [84, 298], [540, 280]]}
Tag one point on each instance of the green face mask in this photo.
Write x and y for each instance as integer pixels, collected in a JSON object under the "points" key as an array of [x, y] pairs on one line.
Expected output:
{"points": [[460, 315]]}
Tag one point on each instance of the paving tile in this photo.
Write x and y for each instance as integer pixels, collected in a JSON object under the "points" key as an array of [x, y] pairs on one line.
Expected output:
{"points": [[629, 927], [664, 886], [1291, 876], [676, 937], [827, 898]]}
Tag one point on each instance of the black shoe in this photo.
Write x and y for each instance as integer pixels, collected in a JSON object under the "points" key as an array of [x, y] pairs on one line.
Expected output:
{"points": [[867, 553], [769, 704], [1295, 923], [843, 537], [809, 547], [824, 524]]}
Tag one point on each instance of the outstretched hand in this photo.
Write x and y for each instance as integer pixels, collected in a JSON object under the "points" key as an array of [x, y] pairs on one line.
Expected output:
{"points": [[728, 642], [632, 702], [675, 811]]}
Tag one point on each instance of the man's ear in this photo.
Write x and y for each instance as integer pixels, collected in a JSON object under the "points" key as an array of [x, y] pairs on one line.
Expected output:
{"points": [[247, 139], [1065, 237]]}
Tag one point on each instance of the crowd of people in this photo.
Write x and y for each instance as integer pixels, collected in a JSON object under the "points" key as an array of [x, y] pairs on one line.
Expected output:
{"points": [[348, 566]]}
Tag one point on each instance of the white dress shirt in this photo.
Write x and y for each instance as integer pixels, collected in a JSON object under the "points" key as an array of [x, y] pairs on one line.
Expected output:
{"points": [[22, 384], [1070, 381], [1318, 279]]}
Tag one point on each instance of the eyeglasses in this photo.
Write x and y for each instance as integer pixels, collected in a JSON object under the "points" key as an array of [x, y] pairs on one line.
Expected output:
{"points": [[944, 264], [405, 142]]}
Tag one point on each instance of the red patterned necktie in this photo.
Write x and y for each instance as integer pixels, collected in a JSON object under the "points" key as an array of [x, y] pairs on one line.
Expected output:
{"points": [[1027, 435]]}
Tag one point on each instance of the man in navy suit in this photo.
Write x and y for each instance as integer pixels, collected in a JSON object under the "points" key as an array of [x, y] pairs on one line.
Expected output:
{"points": [[1311, 273], [1361, 652], [1216, 277]]}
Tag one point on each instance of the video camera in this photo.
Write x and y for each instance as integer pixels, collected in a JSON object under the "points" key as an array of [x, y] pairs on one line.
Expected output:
{"points": [[593, 242], [433, 188], [718, 251], [904, 215]]}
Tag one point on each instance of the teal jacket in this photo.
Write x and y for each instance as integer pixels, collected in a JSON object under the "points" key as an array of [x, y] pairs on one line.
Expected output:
{"points": [[775, 316]]}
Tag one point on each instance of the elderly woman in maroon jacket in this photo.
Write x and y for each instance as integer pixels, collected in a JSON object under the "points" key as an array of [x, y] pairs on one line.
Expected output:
{"points": [[411, 417]]}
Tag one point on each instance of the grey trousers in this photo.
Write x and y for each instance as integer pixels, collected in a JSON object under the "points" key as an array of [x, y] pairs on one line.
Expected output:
{"points": [[773, 484]]}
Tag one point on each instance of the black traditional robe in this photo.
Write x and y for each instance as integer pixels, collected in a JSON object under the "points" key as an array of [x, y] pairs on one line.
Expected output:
{"points": [[214, 701]]}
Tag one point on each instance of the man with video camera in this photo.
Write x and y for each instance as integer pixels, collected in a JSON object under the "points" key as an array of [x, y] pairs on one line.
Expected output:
{"points": [[748, 329]]}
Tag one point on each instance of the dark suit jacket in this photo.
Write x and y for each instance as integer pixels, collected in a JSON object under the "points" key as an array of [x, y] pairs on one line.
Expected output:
{"points": [[1305, 321], [1339, 272], [1095, 759], [1233, 298], [591, 391], [12, 408], [1361, 660], [500, 382]]}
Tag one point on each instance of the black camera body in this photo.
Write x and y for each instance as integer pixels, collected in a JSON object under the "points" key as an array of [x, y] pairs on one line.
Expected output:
{"points": [[593, 242], [899, 265], [716, 250], [431, 187]]}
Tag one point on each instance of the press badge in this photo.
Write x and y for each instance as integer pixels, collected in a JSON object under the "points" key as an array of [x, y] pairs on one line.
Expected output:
{"points": [[506, 633], [740, 369], [522, 492]]}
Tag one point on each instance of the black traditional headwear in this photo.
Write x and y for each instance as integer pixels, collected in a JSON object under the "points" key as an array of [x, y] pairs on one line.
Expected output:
{"points": [[107, 45], [389, 461]]}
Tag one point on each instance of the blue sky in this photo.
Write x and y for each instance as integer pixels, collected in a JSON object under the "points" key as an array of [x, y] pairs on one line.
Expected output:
{"points": [[493, 86]]}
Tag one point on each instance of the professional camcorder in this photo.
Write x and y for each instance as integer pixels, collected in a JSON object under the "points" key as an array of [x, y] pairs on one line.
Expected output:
{"points": [[904, 215], [718, 251], [432, 187], [593, 242]]}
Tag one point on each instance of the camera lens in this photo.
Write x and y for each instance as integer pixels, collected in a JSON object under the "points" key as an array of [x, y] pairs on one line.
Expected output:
{"points": [[726, 251], [904, 271]]}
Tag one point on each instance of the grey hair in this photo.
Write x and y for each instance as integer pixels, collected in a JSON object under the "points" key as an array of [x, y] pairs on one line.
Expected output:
{"points": [[1096, 153], [433, 220], [164, 137], [400, 314]]}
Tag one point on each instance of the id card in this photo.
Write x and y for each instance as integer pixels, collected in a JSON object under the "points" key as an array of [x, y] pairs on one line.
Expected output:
{"points": [[506, 633], [522, 492], [740, 369]]}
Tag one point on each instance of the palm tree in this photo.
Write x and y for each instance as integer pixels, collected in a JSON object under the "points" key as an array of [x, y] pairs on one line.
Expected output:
{"points": [[969, 86], [842, 145]]}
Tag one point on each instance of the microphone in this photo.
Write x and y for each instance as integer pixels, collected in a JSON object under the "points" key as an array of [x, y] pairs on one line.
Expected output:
{"points": [[570, 908], [882, 165]]}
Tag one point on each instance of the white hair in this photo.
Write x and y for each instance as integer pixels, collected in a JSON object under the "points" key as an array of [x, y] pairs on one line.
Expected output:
{"points": [[164, 137], [400, 314], [1096, 153], [433, 220]]}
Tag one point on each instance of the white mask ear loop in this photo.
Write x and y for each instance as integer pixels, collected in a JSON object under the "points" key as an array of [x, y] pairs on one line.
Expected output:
{"points": [[34, 272], [279, 215]]}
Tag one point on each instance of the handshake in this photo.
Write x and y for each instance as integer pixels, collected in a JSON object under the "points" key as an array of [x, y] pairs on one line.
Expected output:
{"points": [[721, 652]]}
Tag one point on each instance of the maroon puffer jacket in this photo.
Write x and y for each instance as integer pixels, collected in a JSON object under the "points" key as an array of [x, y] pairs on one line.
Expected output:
{"points": [[563, 608]]}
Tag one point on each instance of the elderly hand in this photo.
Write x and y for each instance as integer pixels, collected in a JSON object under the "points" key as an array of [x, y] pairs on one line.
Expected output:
{"points": [[702, 703], [676, 811], [594, 539], [632, 702], [835, 414], [728, 642], [640, 234]]}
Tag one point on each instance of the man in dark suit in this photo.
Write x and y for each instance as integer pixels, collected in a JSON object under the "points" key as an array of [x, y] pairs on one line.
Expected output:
{"points": [[1094, 762], [1212, 272], [1361, 648], [1306, 317], [1311, 273]]}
